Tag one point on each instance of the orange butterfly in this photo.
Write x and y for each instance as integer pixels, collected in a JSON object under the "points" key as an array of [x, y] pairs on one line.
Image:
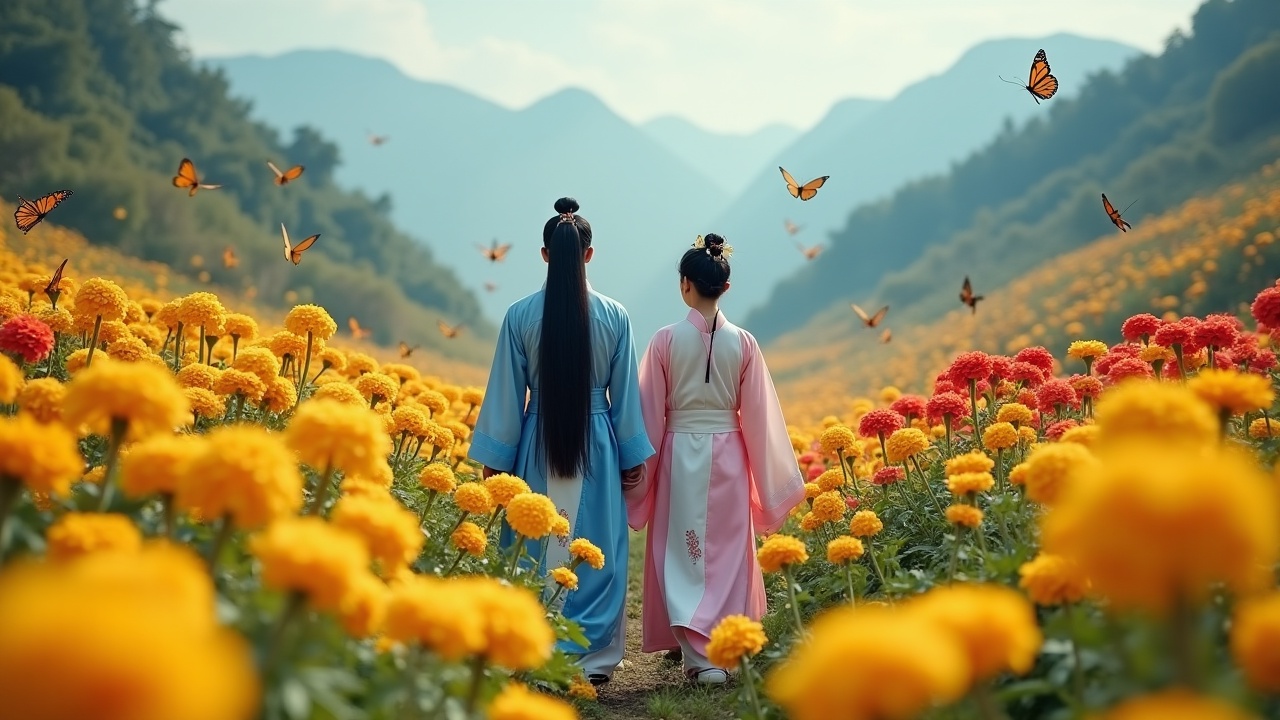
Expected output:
{"points": [[284, 178], [1115, 216], [294, 252], [120, 213], [1040, 83], [376, 140], [805, 191], [229, 257], [967, 297], [31, 212], [356, 331], [449, 332], [886, 336], [405, 350], [53, 289], [490, 286], [791, 227], [872, 320], [187, 178], [496, 253], [809, 253]]}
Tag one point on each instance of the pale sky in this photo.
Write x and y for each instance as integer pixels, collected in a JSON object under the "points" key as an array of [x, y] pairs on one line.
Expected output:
{"points": [[727, 65]]}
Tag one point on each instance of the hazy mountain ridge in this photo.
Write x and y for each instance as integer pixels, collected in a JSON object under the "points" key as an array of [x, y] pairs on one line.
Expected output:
{"points": [[729, 160]]}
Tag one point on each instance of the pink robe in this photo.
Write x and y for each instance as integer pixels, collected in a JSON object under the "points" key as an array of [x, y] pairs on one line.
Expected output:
{"points": [[725, 470]]}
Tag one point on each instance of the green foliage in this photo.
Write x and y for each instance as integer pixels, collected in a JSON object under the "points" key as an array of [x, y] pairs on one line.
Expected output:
{"points": [[97, 96], [1144, 133]]}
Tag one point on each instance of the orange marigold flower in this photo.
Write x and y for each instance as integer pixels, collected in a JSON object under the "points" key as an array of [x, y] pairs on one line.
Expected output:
{"points": [[242, 472], [310, 319], [76, 534], [310, 556], [328, 434], [42, 398], [966, 516], [99, 297], [143, 397]]}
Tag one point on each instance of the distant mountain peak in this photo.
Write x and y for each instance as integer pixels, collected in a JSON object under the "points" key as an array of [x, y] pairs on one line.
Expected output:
{"points": [[570, 99]]}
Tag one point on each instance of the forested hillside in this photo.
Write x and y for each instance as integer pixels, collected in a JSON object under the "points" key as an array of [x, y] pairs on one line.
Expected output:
{"points": [[1160, 131], [98, 96]]}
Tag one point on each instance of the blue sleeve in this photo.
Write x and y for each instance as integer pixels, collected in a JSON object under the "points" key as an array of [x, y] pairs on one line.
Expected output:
{"points": [[624, 401], [497, 433]]}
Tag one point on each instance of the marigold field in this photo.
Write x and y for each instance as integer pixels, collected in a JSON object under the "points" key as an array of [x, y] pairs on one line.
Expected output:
{"points": [[218, 515]]}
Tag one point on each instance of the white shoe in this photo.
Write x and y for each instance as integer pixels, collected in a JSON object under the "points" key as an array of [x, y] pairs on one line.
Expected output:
{"points": [[708, 676]]}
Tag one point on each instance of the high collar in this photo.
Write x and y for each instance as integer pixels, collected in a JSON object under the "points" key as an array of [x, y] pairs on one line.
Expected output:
{"points": [[700, 322]]}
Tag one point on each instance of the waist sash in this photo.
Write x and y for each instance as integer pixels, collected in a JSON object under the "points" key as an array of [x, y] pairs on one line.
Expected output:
{"points": [[702, 421]]}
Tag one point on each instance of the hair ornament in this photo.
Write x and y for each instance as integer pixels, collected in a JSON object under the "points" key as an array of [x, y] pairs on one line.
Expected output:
{"points": [[566, 217], [725, 249]]}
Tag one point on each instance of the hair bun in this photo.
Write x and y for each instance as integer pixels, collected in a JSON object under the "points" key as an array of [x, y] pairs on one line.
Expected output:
{"points": [[715, 244], [566, 205]]}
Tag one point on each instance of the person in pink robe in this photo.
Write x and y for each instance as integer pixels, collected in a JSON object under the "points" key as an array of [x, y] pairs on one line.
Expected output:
{"points": [[724, 472]]}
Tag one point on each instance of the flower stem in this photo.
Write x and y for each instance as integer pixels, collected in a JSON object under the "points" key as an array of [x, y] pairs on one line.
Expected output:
{"points": [[1183, 632], [93, 341], [119, 427], [177, 348], [791, 597], [875, 564], [219, 541], [973, 408], [200, 346], [551, 601], [517, 552], [431, 499], [1077, 670], [848, 581], [955, 556], [749, 685], [170, 515], [477, 680], [10, 491], [306, 368], [456, 561], [292, 606], [492, 519], [946, 423], [322, 492], [987, 707]]}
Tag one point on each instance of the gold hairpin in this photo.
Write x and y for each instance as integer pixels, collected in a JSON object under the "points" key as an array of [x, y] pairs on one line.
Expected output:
{"points": [[566, 217], [698, 243]]}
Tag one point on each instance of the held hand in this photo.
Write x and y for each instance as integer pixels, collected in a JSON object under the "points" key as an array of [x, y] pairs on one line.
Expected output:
{"points": [[632, 477]]}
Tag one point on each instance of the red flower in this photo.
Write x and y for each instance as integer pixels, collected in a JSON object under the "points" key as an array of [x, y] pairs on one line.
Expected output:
{"points": [[1116, 353], [27, 337], [1245, 348], [1000, 368], [1140, 327], [888, 475], [1027, 396], [1054, 431], [1171, 334], [1217, 331], [1026, 373], [972, 365], [1266, 307], [945, 404], [1126, 368], [1263, 361], [1224, 360], [807, 458], [851, 502], [1037, 356], [909, 406], [1086, 386], [1054, 394], [880, 422], [944, 386], [815, 470], [1192, 345]]}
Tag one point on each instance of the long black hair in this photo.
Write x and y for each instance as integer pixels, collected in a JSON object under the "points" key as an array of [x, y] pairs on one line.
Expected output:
{"points": [[564, 352]]}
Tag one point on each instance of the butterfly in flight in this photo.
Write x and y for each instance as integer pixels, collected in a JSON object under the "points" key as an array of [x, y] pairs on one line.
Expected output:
{"points": [[809, 253], [449, 332], [870, 320], [31, 212], [1040, 83], [54, 288], [120, 213], [967, 297], [1115, 216], [490, 287], [357, 332], [294, 252], [229, 257], [805, 191], [376, 140], [284, 178], [496, 252], [791, 227], [187, 178], [886, 336], [405, 350]]}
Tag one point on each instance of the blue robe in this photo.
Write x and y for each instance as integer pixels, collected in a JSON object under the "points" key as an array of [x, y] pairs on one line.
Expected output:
{"points": [[505, 439]]}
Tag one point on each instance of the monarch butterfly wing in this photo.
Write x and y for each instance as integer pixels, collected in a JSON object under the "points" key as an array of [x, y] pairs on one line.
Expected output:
{"points": [[1039, 68], [861, 313], [1046, 88], [186, 177], [56, 280], [879, 315], [296, 254], [355, 326], [966, 290], [26, 216], [501, 251], [793, 187], [288, 249], [404, 349], [809, 189], [275, 170], [204, 186], [290, 175]]}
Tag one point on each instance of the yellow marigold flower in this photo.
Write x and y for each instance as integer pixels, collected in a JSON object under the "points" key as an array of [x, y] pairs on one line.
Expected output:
{"points": [[151, 335], [1014, 414], [1188, 517], [839, 441], [889, 393], [1152, 353], [586, 551], [145, 398], [905, 443], [1175, 704], [11, 380], [829, 506], [565, 578], [340, 392], [438, 435], [469, 538], [41, 398], [258, 361], [133, 636], [531, 514], [285, 343], [204, 403], [875, 648], [43, 457], [1255, 641], [830, 480], [810, 522], [58, 320], [75, 361], [1151, 409], [1087, 349], [112, 332], [328, 434], [1053, 580], [844, 549], [1231, 391], [364, 608], [99, 297], [516, 702], [969, 483], [503, 487], [76, 534], [1018, 474], [95, 476], [333, 359], [376, 387], [238, 382], [966, 516], [201, 308], [995, 625], [813, 490], [472, 395], [400, 371], [439, 477], [517, 634], [198, 375], [738, 637], [241, 327], [154, 465], [781, 550], [561, 527], [1263, 428], [999, 436], [474, 498], [310, 556], [1050, 468], [244, 472], [280, 395], [359, 364], [411, 420], [9, 307], [1085, 435], [581, 689], [865, 523], [312, 319], [389, 530]]}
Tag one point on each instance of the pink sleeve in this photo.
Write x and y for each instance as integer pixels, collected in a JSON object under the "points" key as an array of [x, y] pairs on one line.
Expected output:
{"points": [[776, 483], [653, 404]]}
